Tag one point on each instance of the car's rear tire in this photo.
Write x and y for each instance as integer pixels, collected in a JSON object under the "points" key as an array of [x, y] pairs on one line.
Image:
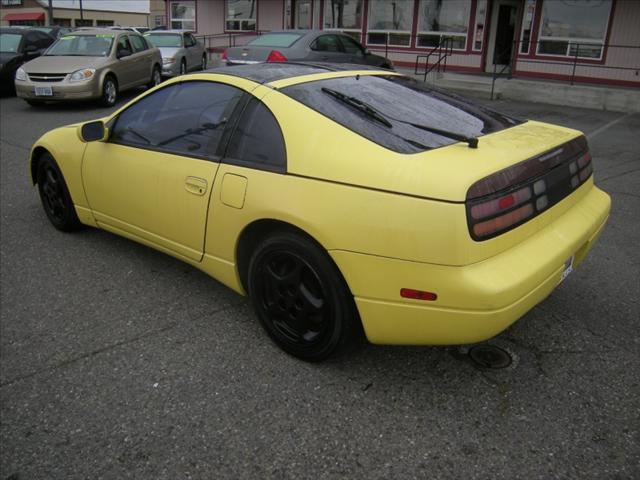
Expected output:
{"points": [[203, 63], [55, 196], [156, 77], [300, 297], [183, 66], [109, 92]]}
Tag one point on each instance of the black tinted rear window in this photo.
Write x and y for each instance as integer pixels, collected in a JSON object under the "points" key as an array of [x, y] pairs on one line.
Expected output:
{"points": [[399, 100]]}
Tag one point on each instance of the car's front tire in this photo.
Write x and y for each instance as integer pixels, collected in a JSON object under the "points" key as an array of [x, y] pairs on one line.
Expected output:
{"points": [[109, 92], [156, 77], [55, 196], [203, 63], [183, 67], [300, 297]]}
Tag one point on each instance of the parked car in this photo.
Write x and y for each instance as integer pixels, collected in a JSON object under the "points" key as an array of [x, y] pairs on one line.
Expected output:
{"points": [[19, 45], [303, 45], [336, 199], [55, 31], [139, 30], [91, 64], [181, 52]]}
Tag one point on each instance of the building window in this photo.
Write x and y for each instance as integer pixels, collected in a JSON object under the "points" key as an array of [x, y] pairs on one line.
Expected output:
{"points": [[344, 15], [183, 15], [303, 11], [160, 20], [527, 23], [83, 22], [11, 3], [390, 22], [438, 18], [481, 18], [241, 15], [574, 29], [104, 23], [62, 22]]}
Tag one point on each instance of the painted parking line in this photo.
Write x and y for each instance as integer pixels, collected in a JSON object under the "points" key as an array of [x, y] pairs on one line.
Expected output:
{"points": [[598, 131]]}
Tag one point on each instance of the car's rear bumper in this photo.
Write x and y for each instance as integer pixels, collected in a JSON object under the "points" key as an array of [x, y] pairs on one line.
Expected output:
{"points": [[61, 90], [477, 301]]}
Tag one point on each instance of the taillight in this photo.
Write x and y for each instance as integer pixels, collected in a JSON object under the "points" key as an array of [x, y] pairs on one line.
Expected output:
{"points": [[225, 55], [508, 198], [276, 56]]}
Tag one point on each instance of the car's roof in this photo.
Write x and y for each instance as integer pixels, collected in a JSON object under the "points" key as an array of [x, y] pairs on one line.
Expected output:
{"points": [[99, 31], [164, 32], [20, 30], [270, 72]]}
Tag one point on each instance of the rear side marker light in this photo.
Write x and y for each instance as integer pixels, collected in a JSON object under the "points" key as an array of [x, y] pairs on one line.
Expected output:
{"points": [[417, 294], [225, 55], [276, 56]]}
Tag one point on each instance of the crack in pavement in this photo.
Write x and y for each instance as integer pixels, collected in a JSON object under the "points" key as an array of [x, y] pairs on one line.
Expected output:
{"points": [[98, 351]]}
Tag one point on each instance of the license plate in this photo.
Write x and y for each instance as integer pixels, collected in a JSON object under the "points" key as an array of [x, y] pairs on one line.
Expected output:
{"points": [[568, 268], [44, 92]]}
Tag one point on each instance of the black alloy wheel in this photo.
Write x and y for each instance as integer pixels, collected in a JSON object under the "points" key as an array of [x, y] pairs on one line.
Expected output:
{"points": [[55, 196], [300, 297]]}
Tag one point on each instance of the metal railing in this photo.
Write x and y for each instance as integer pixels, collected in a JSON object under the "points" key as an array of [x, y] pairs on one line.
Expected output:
{"points": [[443, 50], [573, 62]]}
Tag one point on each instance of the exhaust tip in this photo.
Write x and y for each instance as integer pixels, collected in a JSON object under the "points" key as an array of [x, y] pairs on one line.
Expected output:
{"points": [[490, 356]]}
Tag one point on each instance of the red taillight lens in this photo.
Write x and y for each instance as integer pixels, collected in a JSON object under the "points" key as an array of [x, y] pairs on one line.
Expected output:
{"points": [[492, 207], [484, 229], [417, 294], [225, 55], [507, 198], [276, 56]]}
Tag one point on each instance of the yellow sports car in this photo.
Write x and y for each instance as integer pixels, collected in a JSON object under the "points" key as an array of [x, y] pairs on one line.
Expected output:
{"points": [[336, 199]]}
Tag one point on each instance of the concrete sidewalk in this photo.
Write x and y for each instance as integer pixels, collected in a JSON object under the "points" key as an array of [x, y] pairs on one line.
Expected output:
{"points": [[615, 99]]}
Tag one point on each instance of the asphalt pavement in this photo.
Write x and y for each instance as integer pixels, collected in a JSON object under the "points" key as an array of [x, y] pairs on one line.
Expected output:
{"points": [[120, 362]]}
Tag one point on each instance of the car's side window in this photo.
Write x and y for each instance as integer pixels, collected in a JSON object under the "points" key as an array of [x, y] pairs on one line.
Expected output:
{"points": [[185, 118], [257, 140], [31, 39], [350, 45], [123, 44], [326, 43], [189, 41], [138, 43]]}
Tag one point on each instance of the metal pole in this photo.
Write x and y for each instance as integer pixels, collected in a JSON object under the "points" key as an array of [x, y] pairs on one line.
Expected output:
{"points": [[575, 61], [493, 81], [50, 8], [81, 14]]}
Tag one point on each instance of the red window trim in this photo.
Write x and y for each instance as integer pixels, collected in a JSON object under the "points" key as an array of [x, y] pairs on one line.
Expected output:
{"points": [[537, 25], [224, 19]]}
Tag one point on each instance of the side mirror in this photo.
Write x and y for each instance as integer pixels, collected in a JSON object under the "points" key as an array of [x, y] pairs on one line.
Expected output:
{"points": [[123, 52], [93, 131]]}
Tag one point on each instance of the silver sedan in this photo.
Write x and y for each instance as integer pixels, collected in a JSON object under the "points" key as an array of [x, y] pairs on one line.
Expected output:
{"points": [[181, 52]]}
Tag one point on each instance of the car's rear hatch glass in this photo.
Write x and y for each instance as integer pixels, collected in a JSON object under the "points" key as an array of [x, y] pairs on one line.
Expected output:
{"points": [[400, 100], [282, 40]]}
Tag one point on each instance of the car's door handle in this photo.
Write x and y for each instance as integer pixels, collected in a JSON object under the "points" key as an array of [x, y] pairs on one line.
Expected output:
{"points": [[196, 185]]}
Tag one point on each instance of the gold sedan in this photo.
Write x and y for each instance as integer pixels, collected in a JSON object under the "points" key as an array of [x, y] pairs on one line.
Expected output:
{"points": [[90, 64]]}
